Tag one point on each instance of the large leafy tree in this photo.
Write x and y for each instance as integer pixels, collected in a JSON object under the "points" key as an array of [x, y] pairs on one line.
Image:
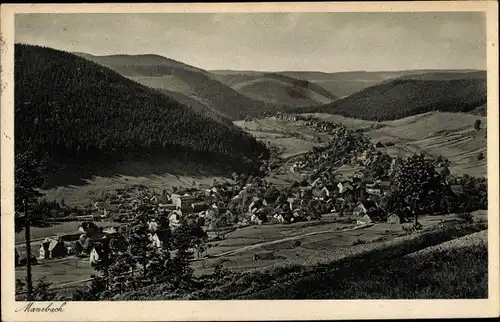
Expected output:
{"points": [[415, 186]]}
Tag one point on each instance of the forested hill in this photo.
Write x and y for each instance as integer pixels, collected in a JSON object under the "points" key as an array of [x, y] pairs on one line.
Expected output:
{"points": [[405, 97], [169, 75], [69, 107]]}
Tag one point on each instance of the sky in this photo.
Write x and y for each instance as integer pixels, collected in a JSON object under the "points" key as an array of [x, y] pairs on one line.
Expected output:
{"points": [[328, 42]]}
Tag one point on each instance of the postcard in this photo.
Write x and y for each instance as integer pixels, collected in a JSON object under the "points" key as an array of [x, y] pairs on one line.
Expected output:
{"points": [[249, 161]]}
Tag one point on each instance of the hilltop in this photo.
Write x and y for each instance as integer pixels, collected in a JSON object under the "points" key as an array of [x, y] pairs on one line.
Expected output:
{"points": [[445, 75], [405, 97], [72, 109], [199, 85]]}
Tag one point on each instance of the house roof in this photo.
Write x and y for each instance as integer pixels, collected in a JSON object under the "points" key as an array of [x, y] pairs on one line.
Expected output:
{"points": [[457, 188], [368, 204], [54, 243]]}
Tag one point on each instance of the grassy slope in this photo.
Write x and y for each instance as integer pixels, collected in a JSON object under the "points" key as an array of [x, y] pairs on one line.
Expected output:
{"points": [[166, 74], [436, 133]]}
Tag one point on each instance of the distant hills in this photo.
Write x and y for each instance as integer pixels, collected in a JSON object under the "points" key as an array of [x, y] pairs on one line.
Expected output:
{"points": [[234, 95], [411, 95], [340, 84], [67, 107], [199, 85]]}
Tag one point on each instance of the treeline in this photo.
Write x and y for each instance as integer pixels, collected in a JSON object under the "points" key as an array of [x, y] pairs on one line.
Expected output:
{"points": [[67, 107], [406, 97]]}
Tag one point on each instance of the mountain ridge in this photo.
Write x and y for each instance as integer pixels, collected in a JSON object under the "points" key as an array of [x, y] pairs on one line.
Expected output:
{"points": [[69, 107]]}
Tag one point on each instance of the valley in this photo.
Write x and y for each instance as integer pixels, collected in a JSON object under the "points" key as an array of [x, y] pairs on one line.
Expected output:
{"points": [[269, 175]]}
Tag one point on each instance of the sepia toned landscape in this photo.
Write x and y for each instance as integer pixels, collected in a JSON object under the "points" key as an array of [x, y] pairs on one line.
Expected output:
{"points": [[140, 176]]}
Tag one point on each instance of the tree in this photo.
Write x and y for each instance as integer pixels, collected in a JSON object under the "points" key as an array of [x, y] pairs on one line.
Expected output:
{"points": [[183, 240], [477, 125], [138, 232], [415, 186], [27, 178]]}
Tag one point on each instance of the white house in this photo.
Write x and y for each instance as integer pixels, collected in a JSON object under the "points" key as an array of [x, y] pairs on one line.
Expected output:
{"points": [[94, 256], [364, 207], [174, 220], [366, 219], [344, 186], [393, 219]]}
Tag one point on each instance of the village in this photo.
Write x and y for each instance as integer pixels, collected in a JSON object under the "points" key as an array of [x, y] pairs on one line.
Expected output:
{"points": [[247, 200]]}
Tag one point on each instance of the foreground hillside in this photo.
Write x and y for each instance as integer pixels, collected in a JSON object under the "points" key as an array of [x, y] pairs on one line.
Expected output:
{"points": [[70, 108], [169, 75], [405, 97]]}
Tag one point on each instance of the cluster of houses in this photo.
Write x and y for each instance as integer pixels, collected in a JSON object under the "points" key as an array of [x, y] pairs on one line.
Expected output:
{"points": [[81, 244]]}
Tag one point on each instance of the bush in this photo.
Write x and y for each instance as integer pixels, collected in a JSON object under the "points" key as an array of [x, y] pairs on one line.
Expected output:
{"points": [[477, 125]]}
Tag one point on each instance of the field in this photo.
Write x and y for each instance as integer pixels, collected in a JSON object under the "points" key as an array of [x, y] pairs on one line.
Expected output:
{"points": [[319, 242], [291, 138], [454, 273], [159, 174], [60, 273]]}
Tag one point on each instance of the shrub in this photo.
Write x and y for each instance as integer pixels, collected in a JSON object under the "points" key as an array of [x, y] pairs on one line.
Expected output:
{"points": [[477, 125]]}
